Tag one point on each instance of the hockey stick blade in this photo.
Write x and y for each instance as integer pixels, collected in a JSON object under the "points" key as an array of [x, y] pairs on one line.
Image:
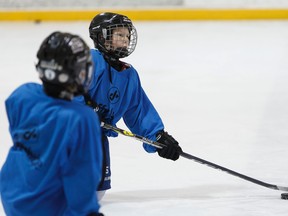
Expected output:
{"points": [[191, 157]]}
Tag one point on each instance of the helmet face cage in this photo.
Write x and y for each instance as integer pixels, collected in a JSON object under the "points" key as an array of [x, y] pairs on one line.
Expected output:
{"points": [[65, 60], [119, 40], [113, 34]]}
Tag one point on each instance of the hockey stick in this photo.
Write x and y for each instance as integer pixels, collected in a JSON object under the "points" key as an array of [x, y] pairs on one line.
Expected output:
{"points": [[191, 157]]}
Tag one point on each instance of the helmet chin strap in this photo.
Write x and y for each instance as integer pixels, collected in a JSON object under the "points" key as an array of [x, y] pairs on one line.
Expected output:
{"points": [[113, 62], [121, 51]]}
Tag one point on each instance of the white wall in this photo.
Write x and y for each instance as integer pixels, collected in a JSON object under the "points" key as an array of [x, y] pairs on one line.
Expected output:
{"points": [[91, 4], [236, 3], [95, 4]]}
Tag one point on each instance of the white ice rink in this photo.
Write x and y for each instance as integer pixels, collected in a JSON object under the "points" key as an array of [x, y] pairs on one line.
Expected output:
{"points": [[222, 91]]}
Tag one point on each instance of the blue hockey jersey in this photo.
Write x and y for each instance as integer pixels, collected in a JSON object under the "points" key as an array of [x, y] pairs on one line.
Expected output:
{"points": [[120, 94], [54, 166]]}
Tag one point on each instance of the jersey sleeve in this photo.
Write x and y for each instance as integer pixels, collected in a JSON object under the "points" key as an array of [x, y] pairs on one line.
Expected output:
{"points": [[142, 118]]}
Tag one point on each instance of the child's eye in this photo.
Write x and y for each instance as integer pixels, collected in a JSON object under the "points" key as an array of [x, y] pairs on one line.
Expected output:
{"points": [[122, 35]]}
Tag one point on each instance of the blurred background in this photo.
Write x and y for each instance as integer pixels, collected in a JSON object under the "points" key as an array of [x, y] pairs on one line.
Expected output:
{"points": [[144, 9]]}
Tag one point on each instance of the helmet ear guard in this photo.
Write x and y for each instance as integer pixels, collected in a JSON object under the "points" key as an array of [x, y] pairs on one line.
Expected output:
{"points": [[101, 38]]}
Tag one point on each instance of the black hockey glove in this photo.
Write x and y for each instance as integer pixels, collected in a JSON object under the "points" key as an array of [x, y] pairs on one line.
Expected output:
{"points": [[95, 214], [172, 149]]}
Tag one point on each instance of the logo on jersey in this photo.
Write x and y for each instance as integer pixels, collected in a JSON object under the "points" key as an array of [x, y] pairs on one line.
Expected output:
{"points": [[24, 140], [24, 135], [113, 95]]}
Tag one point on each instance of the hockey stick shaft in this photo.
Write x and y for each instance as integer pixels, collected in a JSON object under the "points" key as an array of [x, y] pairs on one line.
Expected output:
{"points": [[191, 157]]}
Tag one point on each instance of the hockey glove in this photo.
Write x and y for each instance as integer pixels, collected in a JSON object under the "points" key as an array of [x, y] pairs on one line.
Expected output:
{"points": [[95, 214], [109, 133], [171, 150]]}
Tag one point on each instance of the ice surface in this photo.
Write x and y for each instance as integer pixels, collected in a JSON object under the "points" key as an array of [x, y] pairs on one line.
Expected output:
{"points": [[221, 89]]}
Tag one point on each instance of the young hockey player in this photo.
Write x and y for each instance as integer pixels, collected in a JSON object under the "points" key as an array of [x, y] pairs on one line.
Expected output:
{"points": [[55, 163], [117, 91]]}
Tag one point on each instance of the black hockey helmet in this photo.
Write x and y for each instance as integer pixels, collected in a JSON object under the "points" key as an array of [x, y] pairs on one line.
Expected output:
{"points": [[64, 61], [101, 31]]}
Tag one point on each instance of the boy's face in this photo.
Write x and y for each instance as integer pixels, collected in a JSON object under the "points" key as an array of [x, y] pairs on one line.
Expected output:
{"points": [[120, 38]]}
